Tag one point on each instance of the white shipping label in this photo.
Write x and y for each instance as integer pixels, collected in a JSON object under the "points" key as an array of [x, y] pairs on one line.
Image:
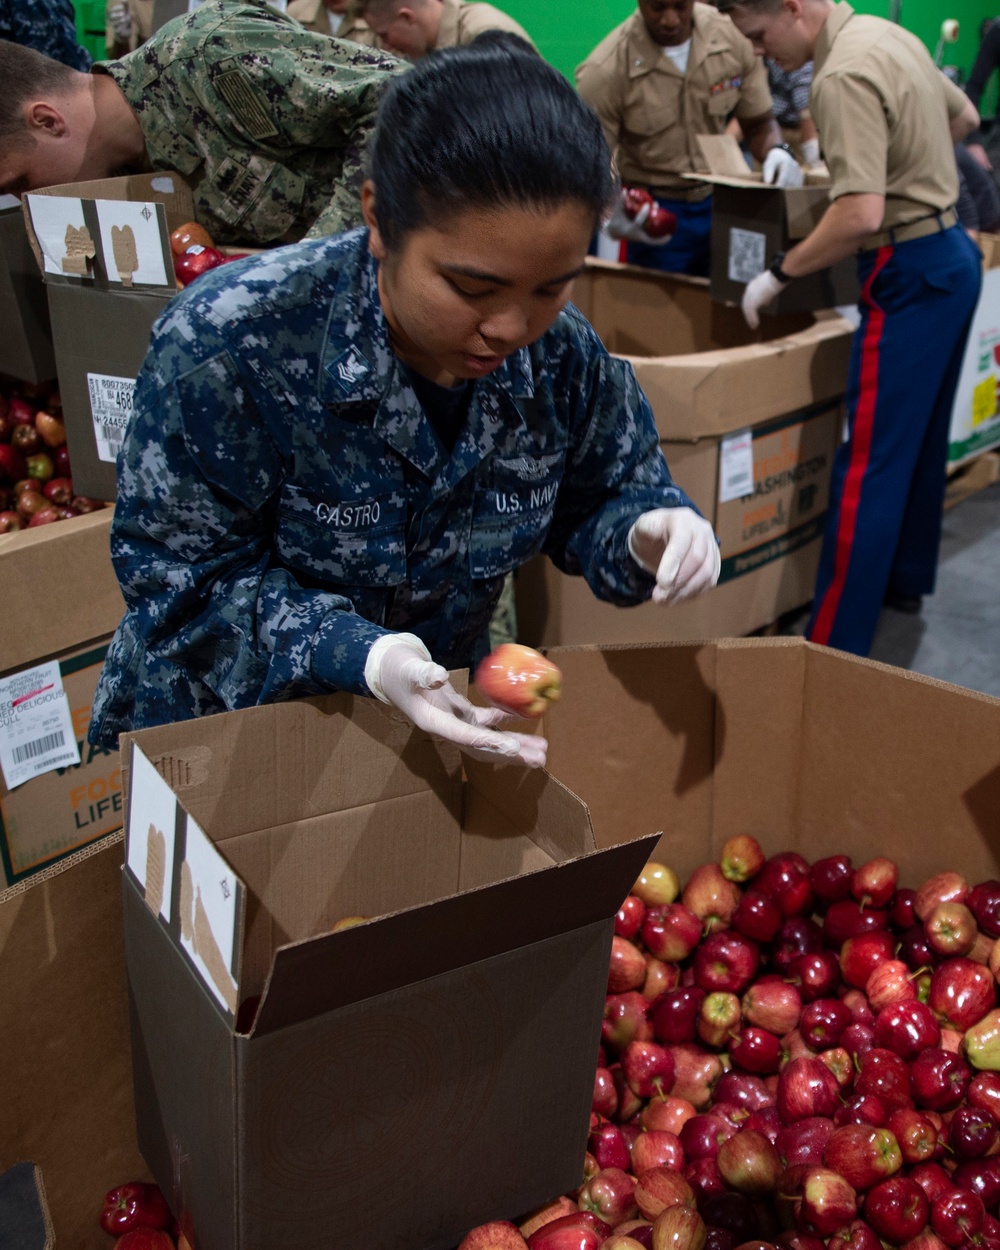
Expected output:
{"points": [[9, 201], [110, 408], [36, 727], [747, 254], [736, 466]]}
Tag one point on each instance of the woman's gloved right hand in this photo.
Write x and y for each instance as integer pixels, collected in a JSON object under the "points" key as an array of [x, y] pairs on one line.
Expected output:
{"points": [[400, 671]]}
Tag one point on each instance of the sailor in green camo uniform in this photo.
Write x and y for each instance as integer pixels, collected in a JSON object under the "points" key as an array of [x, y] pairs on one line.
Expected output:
{"points": [[267, 121]]}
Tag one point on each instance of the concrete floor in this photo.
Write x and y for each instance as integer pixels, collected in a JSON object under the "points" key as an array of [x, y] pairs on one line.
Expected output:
{"points": [[956, 637]]}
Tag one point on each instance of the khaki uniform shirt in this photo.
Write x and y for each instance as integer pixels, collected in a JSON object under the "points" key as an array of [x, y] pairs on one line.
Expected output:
{"points": [[141, 13], [652, 114], [267, 121], [882, 109], [315, 16], [462, 22]]}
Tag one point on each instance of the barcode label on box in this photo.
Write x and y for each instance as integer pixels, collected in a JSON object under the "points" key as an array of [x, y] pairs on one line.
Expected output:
{"points": [[736, 466], [111, 409], [36, 728], [747, 254]]}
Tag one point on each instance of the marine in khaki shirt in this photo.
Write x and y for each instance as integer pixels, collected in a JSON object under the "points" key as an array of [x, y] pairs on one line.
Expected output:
{"points": [[885, 113], [674, 70], [415, 27], [887, 120], [333, 17]]}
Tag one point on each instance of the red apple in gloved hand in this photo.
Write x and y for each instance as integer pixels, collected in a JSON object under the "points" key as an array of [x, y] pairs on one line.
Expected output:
{"points": [[519, 680], [634, 200], [661, 222]]}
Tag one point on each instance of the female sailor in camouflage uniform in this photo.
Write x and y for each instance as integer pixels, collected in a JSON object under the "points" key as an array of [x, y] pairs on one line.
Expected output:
{"points": [[340, 448]]}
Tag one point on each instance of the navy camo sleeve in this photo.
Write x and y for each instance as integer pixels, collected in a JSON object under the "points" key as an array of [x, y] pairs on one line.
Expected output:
{"points": [[615, 471], [192, 538]]}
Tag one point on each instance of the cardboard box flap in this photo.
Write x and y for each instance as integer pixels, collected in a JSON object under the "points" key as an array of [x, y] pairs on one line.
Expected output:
{"points": [[871, 729], [313, 977], [728, 168], [82, 232], [264, 767], [716, 392], [722, 155]]}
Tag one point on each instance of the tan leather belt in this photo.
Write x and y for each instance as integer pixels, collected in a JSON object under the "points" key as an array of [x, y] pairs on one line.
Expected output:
{"points": [[935, 224]]}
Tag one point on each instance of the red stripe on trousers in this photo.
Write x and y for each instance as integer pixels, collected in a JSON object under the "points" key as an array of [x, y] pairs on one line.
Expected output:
{"points": [[864, 423]]}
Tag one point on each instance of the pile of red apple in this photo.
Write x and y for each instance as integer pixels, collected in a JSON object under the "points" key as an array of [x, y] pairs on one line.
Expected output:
{"points": [[36, 485], [793, 1055]]}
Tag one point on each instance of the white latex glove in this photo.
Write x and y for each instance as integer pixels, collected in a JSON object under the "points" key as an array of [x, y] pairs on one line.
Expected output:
{"points": [[621, 226], [759, 294], [781, 169], [121, 22], [679, 548], [810, 151], [400, 671]]}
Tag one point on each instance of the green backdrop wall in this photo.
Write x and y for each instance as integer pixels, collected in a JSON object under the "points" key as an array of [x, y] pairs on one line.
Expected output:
{"points": [[566, 30]]}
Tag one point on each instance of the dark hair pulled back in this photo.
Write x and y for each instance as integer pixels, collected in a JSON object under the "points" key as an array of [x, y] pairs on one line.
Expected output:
{"points": [[484, 126]]}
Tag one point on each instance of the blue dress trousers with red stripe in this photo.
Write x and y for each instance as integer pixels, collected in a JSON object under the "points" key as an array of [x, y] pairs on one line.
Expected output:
{"points": [[887, 492]]}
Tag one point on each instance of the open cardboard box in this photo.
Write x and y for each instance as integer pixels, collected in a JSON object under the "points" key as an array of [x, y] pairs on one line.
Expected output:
{"points": [[422, 1072], [68, 603], [748, 423], [104, 251], [802, 747], [752, 222]]}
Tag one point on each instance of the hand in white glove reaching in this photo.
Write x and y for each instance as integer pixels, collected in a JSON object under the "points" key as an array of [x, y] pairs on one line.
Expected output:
{"points": [[781, 169], [679, 548], [758, 295], [121, 22], [400, 671]]}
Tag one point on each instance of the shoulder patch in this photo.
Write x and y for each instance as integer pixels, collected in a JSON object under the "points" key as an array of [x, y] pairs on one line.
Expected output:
{"points": [[248, 104]]}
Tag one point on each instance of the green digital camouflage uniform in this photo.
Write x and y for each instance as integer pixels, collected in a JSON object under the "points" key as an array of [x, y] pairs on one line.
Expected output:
{"points": [[268, 121]]}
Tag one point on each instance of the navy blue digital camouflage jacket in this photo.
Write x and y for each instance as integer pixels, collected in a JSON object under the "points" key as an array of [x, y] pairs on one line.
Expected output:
{"points": [[48, 26], [284, 500]]}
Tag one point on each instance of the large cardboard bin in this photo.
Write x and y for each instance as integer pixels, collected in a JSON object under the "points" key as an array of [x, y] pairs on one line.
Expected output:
{"points": [[26, 351], [749, 424], [752, 222], [63, 603], [425, 1071], [104, 252]]}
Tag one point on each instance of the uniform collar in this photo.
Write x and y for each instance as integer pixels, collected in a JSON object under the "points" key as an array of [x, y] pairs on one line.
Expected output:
{"points": [[646, 56], [448, 30], [834, 24], [359, 368]]}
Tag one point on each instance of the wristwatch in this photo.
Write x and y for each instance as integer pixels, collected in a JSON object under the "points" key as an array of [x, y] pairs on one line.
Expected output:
{"points": [[777, 270]]}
